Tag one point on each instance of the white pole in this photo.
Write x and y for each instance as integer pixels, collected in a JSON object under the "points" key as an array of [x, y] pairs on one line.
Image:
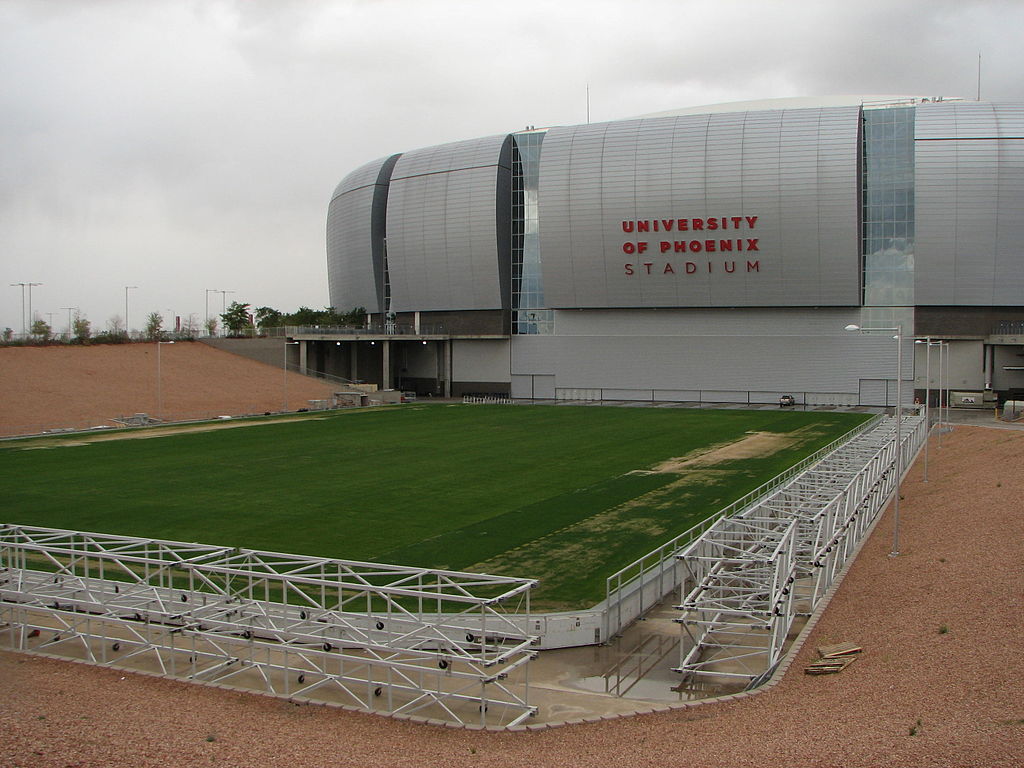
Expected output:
{"points": [[206, 317], [22, 306], [31, 319], [927, 400], [899, 443], [949, 349], [899, 428], [69, 320]]}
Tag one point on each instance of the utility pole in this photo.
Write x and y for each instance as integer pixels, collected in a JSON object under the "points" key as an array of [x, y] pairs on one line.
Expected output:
{"points": [[70, 329], [206, 317], [223, 302], [22, 305], [30, 302]]}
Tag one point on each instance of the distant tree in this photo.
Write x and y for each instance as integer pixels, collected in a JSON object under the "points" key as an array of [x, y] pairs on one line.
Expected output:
{"points": [[268, 317], [211, 326], [42, 330], [189, 327], [236, 319], [154, 326], [81, 327], [8, 334], [355, 317], [326, 317], [115, 326], [303, 316]]}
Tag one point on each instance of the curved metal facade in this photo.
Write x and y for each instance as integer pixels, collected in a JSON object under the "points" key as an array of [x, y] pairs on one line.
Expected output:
{"points": [[444, 231], [745, 209], [356, 237], [735, 209]]}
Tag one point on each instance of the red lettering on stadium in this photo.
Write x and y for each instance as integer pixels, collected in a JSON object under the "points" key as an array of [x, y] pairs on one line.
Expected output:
{"points": [[688, 267], [709, 245], [698, 224]]}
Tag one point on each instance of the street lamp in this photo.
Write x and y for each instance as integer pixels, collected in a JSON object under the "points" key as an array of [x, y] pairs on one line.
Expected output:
{"points": [[127, 325], [223, 301], [22, 305], [949, 349], [70, 309], [206, 317], [286, 345], [928, 393], [159, 382], [30, 318], [24, 329], [899, 421]]}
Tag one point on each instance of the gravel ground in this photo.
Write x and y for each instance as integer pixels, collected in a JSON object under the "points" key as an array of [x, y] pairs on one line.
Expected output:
{"points": [[80, 387], [939, 683]]}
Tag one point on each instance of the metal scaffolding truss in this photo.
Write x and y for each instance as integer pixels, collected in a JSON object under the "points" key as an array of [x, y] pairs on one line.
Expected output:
{"points": [[751, 574], [434, 643], [743, 568]]}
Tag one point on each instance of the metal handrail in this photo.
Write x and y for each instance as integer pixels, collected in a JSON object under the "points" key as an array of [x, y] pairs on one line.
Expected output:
{"points": [[668, 550]]}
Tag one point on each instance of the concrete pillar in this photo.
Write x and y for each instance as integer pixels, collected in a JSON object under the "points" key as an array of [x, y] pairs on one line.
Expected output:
{"points": [[386, 365], [353, 364], [302, 358], [446, 367]]}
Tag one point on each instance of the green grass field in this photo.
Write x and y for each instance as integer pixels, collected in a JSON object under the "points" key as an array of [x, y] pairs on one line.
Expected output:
{"points": [[564, 494]]}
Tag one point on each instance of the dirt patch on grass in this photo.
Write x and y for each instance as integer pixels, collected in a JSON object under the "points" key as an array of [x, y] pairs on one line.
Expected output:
{"points": [[149, 432], [755, 445], [587, 544]]}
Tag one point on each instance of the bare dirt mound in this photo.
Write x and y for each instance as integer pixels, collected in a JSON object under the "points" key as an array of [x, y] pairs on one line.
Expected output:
{"points": [[82, 387]]}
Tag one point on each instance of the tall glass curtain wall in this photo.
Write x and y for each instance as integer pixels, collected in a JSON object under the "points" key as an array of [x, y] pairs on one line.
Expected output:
{"points": [[528, 312], [888, 195]]}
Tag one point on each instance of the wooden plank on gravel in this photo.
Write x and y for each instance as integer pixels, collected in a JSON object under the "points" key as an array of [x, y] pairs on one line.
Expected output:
{"points": [[829, 666], [839, 649]]}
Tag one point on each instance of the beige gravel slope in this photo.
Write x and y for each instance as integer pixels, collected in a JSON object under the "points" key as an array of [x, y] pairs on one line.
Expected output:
{"points": [[962, 567], [61, 386]]}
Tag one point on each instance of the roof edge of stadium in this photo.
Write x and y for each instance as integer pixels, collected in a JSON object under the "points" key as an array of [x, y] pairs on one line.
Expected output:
{"points": [[804, 102]]}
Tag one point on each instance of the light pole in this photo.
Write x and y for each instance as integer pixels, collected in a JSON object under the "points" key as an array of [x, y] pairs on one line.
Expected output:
{"points": [[70, 329], [127, 325], [899, 434], [286, 345], [927, 341], [223, 302], [949, 350], [206, 317], [159, 382], [22, 305], [30, 318]]}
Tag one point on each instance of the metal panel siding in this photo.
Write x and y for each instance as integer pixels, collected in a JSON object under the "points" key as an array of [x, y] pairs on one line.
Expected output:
{"points": [[351, 276], [969, 186], [442, 227], [796, 170]]}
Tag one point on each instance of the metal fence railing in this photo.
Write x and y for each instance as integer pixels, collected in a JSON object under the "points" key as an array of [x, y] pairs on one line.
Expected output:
{"points": [[652, 576]]}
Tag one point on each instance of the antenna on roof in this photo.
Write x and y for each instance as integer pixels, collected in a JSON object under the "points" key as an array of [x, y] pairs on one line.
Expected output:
{"points": [[979, 78]]}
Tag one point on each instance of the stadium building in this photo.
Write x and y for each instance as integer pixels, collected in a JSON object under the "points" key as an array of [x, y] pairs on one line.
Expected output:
{"points": [[711, 255]]}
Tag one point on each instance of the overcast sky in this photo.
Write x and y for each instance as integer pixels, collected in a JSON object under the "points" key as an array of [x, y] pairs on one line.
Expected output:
{"points": [[180, 146]]}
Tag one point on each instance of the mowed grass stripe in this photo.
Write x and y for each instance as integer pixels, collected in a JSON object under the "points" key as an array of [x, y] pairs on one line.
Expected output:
{"points": [[431, 485]]}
